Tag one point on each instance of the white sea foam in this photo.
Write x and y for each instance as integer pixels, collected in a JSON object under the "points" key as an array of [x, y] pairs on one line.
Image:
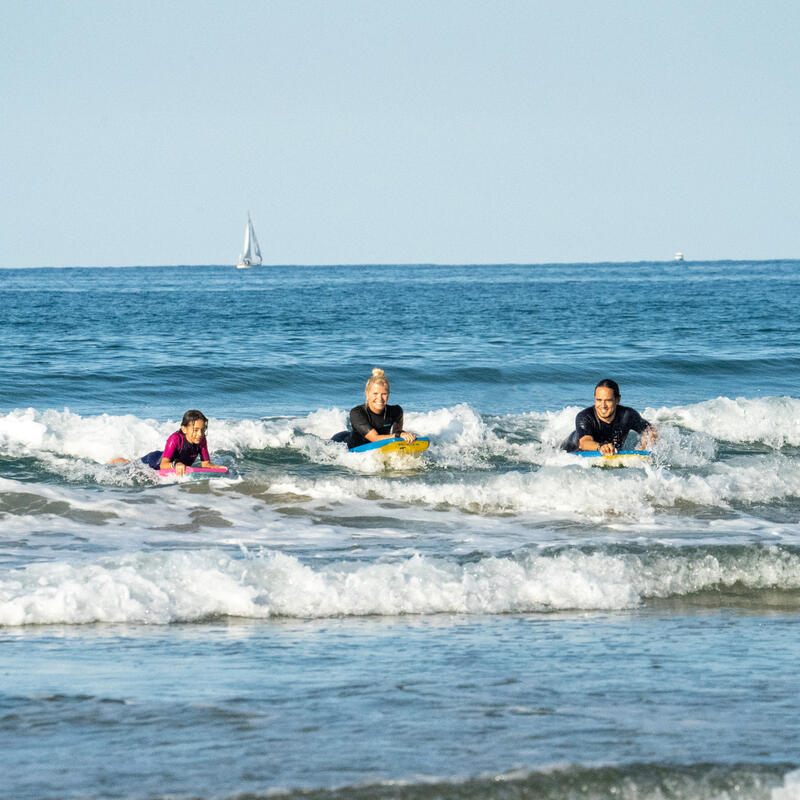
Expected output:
{"points": [[462, 437], [103, 437], [557, 485], [166, 587], [790, 790], [774, 421], [324, 422], [249, 434], [557, 425], [31, 432], [574, 490]]}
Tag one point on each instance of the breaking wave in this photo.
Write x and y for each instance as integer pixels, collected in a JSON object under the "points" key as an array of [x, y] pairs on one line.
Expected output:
{"points": [[167, 587]]}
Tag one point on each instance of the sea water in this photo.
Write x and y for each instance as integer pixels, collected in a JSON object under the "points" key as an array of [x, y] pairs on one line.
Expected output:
{"points": [[492, 619]]}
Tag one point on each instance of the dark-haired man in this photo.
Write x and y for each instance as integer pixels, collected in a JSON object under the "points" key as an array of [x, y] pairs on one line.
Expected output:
{"points": [[605, 425]]}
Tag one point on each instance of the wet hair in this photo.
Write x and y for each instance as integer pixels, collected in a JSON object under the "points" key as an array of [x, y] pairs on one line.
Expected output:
{"points": [[378, 377], [607, 383], [192, 416]]}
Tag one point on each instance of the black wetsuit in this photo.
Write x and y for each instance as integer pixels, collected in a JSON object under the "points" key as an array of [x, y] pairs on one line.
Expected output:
{"points": [[614, 432], [362, 421]]}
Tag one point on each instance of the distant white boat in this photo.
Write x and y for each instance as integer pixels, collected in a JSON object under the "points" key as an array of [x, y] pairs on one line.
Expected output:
{"points": [[678, 257], [251, 256]]}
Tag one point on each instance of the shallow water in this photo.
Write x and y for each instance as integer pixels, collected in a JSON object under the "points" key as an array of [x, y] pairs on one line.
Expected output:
{"points": [[491, 619]]}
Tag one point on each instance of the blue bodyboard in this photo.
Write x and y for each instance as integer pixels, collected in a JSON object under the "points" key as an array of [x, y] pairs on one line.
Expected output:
{"points": [[618, 459], [395, 445]]}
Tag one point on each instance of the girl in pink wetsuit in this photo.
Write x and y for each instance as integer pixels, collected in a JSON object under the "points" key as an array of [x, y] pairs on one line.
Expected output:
{"points": [[184, 446]]}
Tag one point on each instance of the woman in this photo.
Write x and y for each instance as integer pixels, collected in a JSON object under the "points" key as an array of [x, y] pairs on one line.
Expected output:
{"points": [[375, 419]]}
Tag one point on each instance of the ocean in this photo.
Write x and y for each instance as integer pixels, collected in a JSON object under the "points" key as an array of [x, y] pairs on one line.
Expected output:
{"points": [[492, 619]]}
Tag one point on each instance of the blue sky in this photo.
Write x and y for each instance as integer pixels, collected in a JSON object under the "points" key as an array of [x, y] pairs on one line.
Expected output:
{"points": [[398, 132]]}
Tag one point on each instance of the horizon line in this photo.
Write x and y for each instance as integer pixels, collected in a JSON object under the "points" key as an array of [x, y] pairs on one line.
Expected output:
{"points": [[409, 264]]}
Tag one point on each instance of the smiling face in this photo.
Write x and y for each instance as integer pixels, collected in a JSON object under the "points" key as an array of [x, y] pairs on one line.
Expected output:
{"points": [[194, 431], [377, 397], [605, 403]]}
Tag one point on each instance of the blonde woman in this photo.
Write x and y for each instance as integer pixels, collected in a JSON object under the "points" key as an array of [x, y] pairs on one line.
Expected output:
{"points": [[375, 419]]}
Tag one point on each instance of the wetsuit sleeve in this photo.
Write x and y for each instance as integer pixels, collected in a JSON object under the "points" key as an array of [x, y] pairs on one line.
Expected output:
{"points": [[637, 422], [584, 425], [359, 421], [397, 420], [204, 450], [172, 446]]}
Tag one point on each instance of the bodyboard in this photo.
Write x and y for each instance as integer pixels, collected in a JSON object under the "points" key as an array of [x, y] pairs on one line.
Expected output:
{"points": [[190, 470], [621, 459], [395, 445]]}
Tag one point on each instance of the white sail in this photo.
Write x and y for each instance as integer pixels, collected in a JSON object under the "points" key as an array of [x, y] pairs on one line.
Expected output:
{"points": [[252, 252]]}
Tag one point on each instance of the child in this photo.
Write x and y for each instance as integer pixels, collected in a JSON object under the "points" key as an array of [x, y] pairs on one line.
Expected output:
{"points": [[182, 447]]}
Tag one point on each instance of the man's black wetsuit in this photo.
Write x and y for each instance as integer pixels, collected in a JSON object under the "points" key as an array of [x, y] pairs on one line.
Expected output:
{"points": [[362, 421], [615, 432]]}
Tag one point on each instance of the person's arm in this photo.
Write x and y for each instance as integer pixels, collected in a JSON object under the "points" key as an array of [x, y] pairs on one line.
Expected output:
{"points": [[648, 434], [205, 458], [169, 450], [648, 437], [397, 431], [373, 436], [588, 443], [586, 431], [180, 467]]}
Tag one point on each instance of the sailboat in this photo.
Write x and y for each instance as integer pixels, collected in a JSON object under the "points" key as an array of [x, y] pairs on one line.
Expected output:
{"points": [[251, 257]]}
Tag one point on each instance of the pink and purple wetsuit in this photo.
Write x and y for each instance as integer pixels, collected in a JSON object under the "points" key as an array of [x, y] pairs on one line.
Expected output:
{"points": [[178, 448]]}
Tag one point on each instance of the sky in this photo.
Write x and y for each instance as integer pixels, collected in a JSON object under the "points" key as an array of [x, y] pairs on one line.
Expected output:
{"points": [[366, 131]]}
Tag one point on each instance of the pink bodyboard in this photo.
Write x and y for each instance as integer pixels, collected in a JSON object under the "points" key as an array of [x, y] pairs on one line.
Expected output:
{"points": [[212, 470]]}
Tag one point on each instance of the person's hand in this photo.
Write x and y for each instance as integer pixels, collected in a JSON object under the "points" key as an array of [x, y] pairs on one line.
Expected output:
{"points": [[606, 449], [180, 468], [407, 437], [649, 438]]}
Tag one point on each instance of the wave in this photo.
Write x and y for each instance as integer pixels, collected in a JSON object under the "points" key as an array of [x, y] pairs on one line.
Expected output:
{"points": [[771, 421], [478, 464], [102, 437], [565, 487], [627, 782], [169, 587], [750, 498], [526, 437]]}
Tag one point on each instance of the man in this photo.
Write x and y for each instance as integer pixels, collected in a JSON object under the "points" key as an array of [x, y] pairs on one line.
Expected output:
{"points": [[606, 425]]}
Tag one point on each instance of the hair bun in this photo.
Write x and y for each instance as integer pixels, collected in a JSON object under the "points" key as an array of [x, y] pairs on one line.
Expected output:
{"points": [[378, 378]]}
